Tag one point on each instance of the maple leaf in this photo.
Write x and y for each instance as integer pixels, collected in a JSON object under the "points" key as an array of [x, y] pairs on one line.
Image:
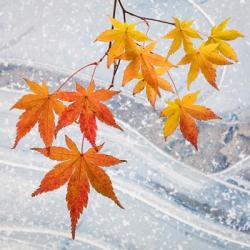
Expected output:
{"points": [[150, 92], [204, 59], [183, 33], [78, 169], [220, 36], [85, 108], [143, 60], [184, 112], [39, 107], [120, 36]]}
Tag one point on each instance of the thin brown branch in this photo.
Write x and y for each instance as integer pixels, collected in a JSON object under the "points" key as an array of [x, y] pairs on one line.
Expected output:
{"points": [[96, 63], [116, 66], [113, 15], [125, 11], [114, 8]]}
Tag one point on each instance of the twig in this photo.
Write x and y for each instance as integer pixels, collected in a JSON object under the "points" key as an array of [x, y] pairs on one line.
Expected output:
{"points": [[116, 66], [113, 15], [96, 63], [125, 11], [114, 8]]}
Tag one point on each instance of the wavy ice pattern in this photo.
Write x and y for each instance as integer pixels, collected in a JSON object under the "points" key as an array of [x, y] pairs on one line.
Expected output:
{"points": [[173, 197]]}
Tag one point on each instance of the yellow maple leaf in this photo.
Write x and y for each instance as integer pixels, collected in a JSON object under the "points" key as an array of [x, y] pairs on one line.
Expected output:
{"points": [[120, 36], [150, 92], [219, 35], [184, 112], [203, 59], [183, 33]]}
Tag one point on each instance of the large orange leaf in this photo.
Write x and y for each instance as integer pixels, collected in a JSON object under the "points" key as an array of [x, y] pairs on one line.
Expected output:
{"points": [[78, 169], [86, 106], [184, 112], [39, 107]]}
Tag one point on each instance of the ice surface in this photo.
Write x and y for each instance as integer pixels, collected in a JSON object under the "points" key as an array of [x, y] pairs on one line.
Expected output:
{"points": [[171, 201]]}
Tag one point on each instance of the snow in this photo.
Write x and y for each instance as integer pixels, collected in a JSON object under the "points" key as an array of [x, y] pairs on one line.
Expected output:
{"points": [[174, 198]]}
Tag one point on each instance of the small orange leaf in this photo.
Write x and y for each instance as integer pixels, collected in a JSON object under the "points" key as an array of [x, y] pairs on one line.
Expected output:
{"points": [[86, 106], [39, 107], [150, 92]]}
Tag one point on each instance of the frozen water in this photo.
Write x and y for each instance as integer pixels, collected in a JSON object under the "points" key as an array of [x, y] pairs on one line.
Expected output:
{"points": [[174, 198]]}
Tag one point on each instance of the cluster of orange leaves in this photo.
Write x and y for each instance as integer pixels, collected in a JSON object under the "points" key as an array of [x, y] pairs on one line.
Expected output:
{"points": [[78, 168]]}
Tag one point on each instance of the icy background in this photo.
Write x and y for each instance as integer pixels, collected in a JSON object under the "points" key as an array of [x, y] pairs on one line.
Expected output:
{"points": [[174, 198]]}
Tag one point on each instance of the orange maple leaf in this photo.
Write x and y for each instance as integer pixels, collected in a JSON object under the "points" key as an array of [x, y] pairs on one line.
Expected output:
{"points": [[184, 112], [39, 108], [143, 60], [150, 92], [86, 107], [78, 169]]}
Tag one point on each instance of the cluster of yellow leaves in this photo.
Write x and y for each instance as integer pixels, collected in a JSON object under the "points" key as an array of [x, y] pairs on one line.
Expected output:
{"points": [[210, 53], [142, 60], [148, 67]]}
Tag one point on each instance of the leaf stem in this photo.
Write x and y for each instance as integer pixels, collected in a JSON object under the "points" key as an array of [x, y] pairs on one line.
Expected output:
{"points": [[82, 143], [96, 63], [173, 83]]}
